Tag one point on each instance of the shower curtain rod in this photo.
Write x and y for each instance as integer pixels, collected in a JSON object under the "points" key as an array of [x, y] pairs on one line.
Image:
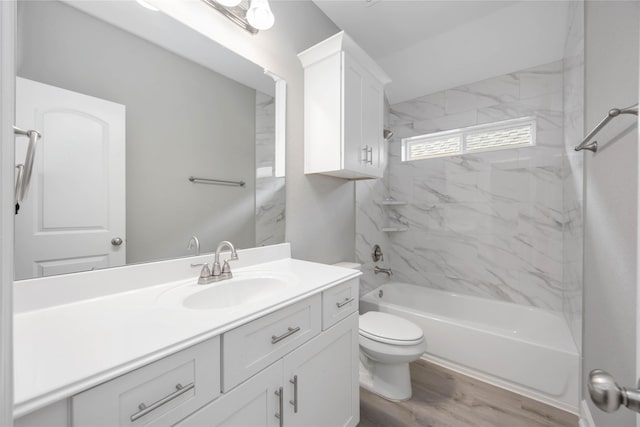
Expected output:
{"points": [[614, 112]]}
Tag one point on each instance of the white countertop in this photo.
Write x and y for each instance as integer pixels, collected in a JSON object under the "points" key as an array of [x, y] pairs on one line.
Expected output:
{"points": [[64, 349]]}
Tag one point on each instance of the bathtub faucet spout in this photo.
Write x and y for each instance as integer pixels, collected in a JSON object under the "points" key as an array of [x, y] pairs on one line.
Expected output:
{"points": [[386, 271]]}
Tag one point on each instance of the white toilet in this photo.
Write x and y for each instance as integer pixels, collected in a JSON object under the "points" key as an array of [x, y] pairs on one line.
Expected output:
{"points": [[388, 344]]}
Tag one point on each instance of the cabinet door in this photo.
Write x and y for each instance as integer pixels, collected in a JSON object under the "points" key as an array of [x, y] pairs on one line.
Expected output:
{"points": [[253, 403], [354, 150], [326, 370], [372, 124]]}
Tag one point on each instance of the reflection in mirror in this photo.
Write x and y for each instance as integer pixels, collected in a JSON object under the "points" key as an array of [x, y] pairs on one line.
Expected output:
{"points": [[131, 104]]}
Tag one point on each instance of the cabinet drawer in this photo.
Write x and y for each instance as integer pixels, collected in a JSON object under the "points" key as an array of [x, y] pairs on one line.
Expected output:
{"points": [[338, 302], [158, 394], [254, 346]]}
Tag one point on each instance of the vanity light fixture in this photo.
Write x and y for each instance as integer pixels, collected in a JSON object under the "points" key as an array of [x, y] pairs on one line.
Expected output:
{"points": [[259, 14], [230, 3], [236, 11], [147, 5]]}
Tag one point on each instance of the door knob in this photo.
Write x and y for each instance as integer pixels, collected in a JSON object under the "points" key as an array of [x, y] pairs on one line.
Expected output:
{"points": [[608, 396], [116, 241]]}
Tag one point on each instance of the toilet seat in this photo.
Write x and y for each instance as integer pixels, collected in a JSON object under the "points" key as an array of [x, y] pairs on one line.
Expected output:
{"points": [[389, 329]]}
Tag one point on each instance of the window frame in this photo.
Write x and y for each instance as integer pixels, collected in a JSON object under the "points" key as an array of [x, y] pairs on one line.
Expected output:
{"points": [[462, 133]]}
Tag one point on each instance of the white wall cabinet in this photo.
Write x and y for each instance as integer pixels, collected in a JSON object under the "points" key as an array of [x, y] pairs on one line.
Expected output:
{"points": [[343, 110]]}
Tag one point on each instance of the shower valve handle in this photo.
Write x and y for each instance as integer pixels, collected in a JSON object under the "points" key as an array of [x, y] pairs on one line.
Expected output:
{"points": [[609, 396]]}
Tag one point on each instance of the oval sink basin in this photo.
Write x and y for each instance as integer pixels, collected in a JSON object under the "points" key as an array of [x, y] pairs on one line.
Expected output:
{"points": [[233, 292]]}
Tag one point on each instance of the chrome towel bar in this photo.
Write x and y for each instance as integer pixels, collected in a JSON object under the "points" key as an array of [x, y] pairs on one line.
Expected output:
{"points": [[216, 181], [614, 112], [25, 169]]}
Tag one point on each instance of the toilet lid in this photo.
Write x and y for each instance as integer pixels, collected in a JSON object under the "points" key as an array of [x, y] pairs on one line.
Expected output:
{"points": [[384, 327]]}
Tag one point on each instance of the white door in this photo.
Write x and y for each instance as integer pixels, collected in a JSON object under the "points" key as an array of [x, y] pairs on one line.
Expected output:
{"points": [[76, 201], [321, 389], [253, 403]]}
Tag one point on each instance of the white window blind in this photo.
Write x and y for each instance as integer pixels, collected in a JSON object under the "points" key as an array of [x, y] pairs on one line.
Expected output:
{"points": [[513, 133]]}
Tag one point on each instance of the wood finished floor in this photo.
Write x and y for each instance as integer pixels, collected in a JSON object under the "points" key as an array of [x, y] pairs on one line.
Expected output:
{"points": [[444, 398]]}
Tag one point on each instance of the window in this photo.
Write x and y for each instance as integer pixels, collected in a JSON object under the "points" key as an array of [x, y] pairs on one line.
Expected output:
{"points": [[493, 136]]}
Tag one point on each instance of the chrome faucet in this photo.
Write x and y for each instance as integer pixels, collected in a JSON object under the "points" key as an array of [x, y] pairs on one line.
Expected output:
{"points": [[216, 273], [194, 243], [386, 271]]}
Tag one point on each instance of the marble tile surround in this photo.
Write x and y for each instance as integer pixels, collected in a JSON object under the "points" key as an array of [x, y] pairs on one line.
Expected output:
{"points": [[488, 224], [270, 190]]}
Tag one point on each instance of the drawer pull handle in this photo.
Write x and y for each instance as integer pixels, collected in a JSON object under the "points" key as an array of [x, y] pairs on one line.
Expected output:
{"points": [[294, 402], [345, 302], [280, 414], [290, 331], [144, 409]]}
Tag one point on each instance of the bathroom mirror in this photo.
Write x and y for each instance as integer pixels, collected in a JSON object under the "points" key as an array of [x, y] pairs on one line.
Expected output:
{"points": [[131, 105]]}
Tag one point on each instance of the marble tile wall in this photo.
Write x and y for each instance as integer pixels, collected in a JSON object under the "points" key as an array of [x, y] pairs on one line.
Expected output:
{"points": [[270, 190], [488, 224], [573, 170]]}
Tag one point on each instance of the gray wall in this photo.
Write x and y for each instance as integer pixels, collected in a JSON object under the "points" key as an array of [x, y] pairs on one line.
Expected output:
{"points": [[182, 120], [611, 200]]}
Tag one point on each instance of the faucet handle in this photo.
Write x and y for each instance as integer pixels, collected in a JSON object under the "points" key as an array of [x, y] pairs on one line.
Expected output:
{"points": [[226, 268], [205, 272]]}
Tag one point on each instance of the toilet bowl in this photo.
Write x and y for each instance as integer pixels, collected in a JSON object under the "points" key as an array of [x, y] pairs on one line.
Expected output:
{"points": [[388, 344]]}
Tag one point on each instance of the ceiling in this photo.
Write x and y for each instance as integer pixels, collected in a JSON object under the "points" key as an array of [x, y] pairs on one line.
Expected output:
{"points": [[426, 46]]}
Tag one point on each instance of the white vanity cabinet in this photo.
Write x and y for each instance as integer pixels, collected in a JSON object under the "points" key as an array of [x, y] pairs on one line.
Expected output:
{"points": [[305, 376], [295, 366], [343, 110], [314, 385]]}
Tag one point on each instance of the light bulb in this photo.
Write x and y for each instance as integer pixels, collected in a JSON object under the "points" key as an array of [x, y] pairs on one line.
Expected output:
{"points": [[259, 15], [229, 3], [147, 5]]}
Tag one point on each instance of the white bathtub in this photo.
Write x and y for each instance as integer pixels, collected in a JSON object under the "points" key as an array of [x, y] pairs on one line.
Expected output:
{"points": [[524, 349]]}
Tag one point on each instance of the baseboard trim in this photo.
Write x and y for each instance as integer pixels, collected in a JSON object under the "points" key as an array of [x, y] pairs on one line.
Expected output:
{"points": [[586, 420]]}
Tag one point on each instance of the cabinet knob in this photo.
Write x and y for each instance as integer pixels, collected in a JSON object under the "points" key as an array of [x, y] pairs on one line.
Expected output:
{"points": [[116, 241]]}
